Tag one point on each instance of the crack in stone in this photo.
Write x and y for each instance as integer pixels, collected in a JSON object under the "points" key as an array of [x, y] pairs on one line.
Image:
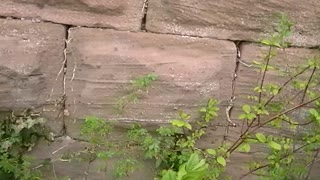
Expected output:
{"points": [[230, 106], [144, 18], [64, 73]]}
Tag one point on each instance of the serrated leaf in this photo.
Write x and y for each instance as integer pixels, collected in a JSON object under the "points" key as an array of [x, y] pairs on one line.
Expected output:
{"points": [[221, 160], [246, 108], [261, 137], [274, 145]]}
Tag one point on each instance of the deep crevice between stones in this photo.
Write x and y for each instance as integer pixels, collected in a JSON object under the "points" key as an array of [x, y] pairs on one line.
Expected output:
{"points": [[230, 106], [64, 74], [144, 18]]}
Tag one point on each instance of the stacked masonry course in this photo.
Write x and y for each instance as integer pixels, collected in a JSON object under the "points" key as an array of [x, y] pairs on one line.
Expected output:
{"points": [[74, 58]]}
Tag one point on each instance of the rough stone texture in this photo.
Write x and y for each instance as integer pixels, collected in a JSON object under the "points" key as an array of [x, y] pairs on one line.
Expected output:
{"points": [[122, 15], [103, 62], [61, 165], [30, 59], [236, 20], [248, 77]]}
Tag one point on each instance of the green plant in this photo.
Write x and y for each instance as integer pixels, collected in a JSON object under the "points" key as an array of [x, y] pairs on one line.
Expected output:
{"points": [[273, 106], [173, 147], [18, 134], [292, 105], [138, 87], [125, 166], [194, 168], [96, 131]]}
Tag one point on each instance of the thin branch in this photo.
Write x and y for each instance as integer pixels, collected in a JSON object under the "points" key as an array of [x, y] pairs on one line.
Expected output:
{"points": [[254, 170], [312, 163], [267, 165], [286, 83], [240, 140], [286, 112], [263, 77], [307, 86]]}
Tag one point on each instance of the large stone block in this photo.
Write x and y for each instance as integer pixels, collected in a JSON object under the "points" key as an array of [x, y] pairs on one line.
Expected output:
{"points": [[101, 64], [31, 56], [237, 20], [286, 62], [123, 15]]}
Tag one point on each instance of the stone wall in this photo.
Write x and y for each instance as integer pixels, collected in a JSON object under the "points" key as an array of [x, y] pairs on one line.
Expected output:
{"points": [[74, 58]]}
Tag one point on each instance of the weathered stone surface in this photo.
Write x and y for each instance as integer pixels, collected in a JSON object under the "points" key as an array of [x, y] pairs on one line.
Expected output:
{"points": [[236, 20], [60, 163], [102, 63], [30, 59], [248, 77], [124, 15]]}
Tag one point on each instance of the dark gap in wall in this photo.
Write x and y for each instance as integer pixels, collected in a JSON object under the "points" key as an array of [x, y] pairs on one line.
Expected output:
{"points": [[144, 18], [10, 17], [64, 72], [230, 106], [238, 58]]}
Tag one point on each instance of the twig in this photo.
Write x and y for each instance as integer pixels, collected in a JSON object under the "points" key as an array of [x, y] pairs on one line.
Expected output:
{"points": [[309, 81], [267, 165], [284, 84], [240, 140], [312, 163], [286, 112], [263, 77]]}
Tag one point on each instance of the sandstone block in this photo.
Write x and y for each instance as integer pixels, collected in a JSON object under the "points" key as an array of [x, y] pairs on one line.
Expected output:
{"points": [[287, 63], [236, 20], [31, 56], [102, 64], [124, 15]]}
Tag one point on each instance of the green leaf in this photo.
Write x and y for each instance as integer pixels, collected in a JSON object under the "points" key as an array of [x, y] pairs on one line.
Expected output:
{"points": [[313, 112], [187, 125], [251, 116], [184, 116], [274, 145], [243, 116], [246, 108], [221, 160], [261, 137], [211, 152], [266, 42], [178, 123], [169, 175], [203, 110], [244, 147], [286, 146], [212, 102], [182, 171]]}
